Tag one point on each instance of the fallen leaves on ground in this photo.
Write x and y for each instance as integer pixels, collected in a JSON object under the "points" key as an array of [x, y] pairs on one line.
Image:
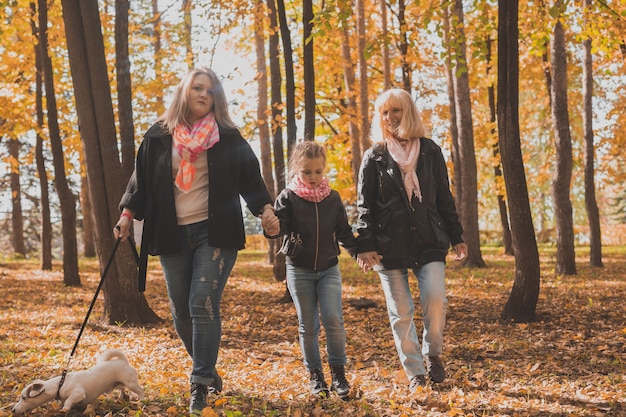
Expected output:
{"points": [[570, 361]]}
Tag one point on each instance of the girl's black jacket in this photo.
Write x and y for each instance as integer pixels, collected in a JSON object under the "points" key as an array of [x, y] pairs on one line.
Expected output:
{"points": [[233, 172], [322, 228], [406, 235]]}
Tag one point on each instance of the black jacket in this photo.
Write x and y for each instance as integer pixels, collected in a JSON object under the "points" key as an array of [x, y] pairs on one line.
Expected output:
{"points": [[233, 171], [321, 228], [406, 235]]}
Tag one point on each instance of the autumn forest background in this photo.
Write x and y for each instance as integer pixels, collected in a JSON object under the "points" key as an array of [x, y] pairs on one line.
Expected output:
{"points": [[527, 100]]}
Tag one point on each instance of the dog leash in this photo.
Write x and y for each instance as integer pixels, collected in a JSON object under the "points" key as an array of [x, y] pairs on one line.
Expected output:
{"points": [[93, 302]]}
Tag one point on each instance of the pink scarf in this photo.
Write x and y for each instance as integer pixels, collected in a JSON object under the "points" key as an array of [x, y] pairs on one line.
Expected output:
{"points": [[314, 195], [190, 143], [407, 161]]}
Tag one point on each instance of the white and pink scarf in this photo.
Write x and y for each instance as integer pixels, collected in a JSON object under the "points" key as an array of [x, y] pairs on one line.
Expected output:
{"points": [[314, 195], [407, 161], [190, 143]]}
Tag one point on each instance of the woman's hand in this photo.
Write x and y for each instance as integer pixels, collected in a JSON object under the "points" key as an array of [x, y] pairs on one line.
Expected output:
{"points": [[368, 260], [122, 228], [461, 251], [270, 222]]}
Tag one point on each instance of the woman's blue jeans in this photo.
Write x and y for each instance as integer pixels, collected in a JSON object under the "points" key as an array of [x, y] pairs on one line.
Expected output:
{"points": [[315, 293], [196, 277], [400, 308]]}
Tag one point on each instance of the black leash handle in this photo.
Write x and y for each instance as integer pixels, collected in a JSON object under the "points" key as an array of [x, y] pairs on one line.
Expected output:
{"points": [[93, 302]]}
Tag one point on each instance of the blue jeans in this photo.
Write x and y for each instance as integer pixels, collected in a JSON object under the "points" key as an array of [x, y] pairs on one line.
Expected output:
{"points": [[196, 277], [315, 293], [400, 308]]}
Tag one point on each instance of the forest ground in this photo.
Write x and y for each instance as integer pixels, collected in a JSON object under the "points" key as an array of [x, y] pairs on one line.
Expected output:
{"points": [[571, 361]]}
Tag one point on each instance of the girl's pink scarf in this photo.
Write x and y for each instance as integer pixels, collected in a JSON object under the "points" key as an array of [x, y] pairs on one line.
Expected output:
{"points": [[315, 195], [190, 143], [407, 161]]}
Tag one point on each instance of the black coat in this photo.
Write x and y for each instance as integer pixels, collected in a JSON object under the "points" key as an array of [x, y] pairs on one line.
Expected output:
{"points": [[321, 227], [233, 172], [406, 235]]}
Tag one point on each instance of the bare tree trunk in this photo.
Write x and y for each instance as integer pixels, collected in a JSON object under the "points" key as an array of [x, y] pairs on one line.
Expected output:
{"points": [[385, 46], [290, 84], [497, 167], [156, 45], [17, 219], [362, 61], [457, 178], [349, 80], [122, 301], [561, 180], [522, 301], [124, 91], [66, 198], [463, 105], [89, 244], [309, 71], [407, 73], [44, 201], [595, 235], [189, 57], [262, 111]]}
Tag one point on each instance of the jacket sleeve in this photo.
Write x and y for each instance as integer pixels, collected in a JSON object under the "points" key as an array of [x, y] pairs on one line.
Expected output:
{"points": [[445, 200], [366, 202], [282, 210], [251, 186], [135, 195], [343, 230]]}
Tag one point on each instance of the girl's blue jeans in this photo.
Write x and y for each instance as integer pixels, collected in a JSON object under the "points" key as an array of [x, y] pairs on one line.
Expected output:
{"points": [[318, 293], [400, 308], [196, 277]]}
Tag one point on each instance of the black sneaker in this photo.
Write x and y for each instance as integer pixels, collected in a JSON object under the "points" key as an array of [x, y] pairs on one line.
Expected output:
{"points": [[318, 384], [435, 369], [417, 381], [198, 398], [215, 386], [339, 382]]}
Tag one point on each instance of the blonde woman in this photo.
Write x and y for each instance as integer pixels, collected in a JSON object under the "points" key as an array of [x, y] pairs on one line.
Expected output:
{"points": [[191, 169], [407, 220]]}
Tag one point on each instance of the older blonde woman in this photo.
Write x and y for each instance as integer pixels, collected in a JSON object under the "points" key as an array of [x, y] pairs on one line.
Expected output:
{"points": [[407, 220]]}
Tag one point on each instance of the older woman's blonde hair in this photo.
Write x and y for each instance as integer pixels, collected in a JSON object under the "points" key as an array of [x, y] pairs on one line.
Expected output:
{"points": [[411, 125], [177, 112]]}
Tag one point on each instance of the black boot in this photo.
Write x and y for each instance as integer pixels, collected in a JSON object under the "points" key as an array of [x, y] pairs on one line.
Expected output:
{"points": [[318, 384], [198, 398], [340, 384]]}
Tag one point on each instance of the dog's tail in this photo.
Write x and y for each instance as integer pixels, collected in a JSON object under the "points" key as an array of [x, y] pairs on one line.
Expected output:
{"points": [[112, 354]]}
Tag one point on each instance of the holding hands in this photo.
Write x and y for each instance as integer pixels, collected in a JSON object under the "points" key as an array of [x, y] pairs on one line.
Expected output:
{"points": [[368, 260], [270, 222]]}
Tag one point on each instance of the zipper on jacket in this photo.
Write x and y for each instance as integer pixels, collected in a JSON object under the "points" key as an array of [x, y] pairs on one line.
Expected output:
{"points": [[317, 236]]}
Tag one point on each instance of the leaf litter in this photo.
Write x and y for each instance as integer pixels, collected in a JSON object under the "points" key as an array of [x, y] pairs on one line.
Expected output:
{"points": [[570, 361]]}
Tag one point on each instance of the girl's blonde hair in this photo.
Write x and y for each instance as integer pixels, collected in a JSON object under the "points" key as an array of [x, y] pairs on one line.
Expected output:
{"points": [[411, 125], [177, 112], [306, 149]]}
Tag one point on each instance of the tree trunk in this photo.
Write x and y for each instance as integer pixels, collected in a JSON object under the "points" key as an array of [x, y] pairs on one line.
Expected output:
{"points": [[309, 71], [457, 178], [44, 201], [290, 83], [89, 245], [17, 219], [122, 302], [66, 198], [158, 54], [262, 111], [522, 301], [280, 271], [463, 106], [124, 91], [364, 125], [593, 215], [407, 73], [497, 167], [349, 80], [189, 56], [561, 180], [385, 46]]}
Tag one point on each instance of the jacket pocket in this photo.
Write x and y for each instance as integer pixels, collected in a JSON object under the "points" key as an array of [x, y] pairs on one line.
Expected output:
{"points": [[439, 230], [292, 245]]}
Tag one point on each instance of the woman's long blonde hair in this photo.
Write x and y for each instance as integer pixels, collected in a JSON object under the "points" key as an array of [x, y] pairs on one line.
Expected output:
{"points": [[411, 125], [177, 112]]}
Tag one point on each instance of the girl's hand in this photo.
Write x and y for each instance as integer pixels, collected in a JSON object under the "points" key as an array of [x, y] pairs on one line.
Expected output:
{"points": [[368, 260], [270, 222]]}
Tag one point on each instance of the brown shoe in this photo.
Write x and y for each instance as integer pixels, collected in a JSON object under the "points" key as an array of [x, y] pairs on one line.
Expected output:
{"points": [[434, 365]]}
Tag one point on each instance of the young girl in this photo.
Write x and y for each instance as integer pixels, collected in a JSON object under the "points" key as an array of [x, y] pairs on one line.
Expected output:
{"points": [[313, 223]]}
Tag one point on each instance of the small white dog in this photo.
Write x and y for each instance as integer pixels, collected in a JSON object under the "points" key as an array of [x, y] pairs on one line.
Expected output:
{"points": [[111, 371]]}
